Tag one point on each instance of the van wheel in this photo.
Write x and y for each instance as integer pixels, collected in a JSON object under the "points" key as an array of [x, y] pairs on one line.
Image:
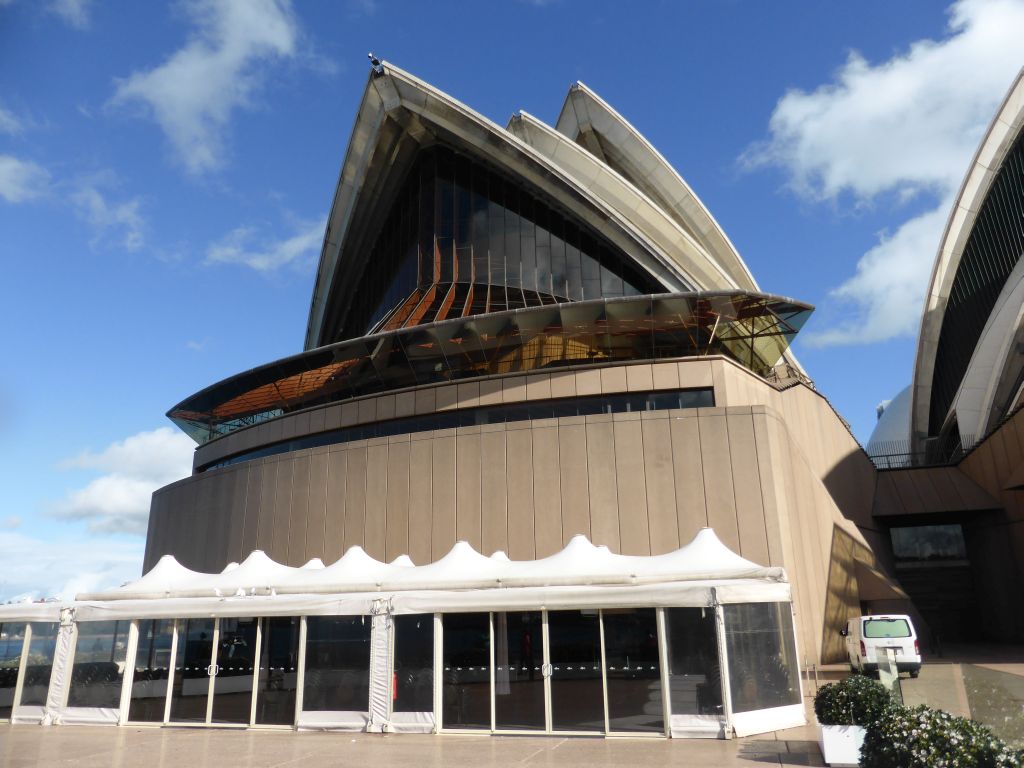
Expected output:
{"points": [[854, 670], [915, 672]]}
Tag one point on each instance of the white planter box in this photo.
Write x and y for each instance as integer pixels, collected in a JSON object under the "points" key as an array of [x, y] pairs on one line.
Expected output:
{"points": [[840, 744]]}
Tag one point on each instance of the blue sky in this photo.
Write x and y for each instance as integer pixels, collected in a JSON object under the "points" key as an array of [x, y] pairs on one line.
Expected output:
{"points": [[166, 170]]}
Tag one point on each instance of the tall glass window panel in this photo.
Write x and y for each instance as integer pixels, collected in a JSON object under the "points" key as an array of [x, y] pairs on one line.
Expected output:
{"points": [[191, 689], [279, 671], [98, 671], [518, 673], [41, 649], [236, 668], [763, 669], [12, 638], [577, 693], [695, 683], [466, 665], [152, 664], [633, 670], [413, 689], [337, 664]]}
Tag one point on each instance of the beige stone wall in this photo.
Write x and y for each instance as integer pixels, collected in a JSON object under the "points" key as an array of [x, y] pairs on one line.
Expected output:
{"points": [[775, 473]]}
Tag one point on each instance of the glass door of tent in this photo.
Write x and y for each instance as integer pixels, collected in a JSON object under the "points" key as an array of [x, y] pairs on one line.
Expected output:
{"points": [[234, 665], [576, 679], [193, 669]]}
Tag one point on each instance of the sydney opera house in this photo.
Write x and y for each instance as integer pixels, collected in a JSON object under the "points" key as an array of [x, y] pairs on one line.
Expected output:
{"points": [[547, 435]]}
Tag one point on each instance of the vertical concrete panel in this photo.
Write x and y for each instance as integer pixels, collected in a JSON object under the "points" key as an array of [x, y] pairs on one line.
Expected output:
{"points": [[603, 491], [203, 528], [747, 484], [316, 526], [588, 382], [718, 491], [253, 496], [236, 513], [493, 493], [282, 510], [420, 481], [770, 479], [691, 508], [398, 501], [519, 462], [661, 491], [442, 536], [268, 501], [297, 546], [355, 497], [334, 522], [546, 492], [467, 489], [634, 527], [375, 530], [573, 480]]}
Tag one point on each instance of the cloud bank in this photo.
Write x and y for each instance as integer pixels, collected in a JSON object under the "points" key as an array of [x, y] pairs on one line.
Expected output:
{"points": [[243, 245], [893, 131], [194, 93]]}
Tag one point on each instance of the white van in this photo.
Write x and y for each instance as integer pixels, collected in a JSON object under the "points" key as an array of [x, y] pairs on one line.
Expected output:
{"points": [[868, 637]]}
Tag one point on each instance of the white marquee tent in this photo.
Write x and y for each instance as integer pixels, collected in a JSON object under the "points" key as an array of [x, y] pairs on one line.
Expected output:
{"points": [[581, 578]]}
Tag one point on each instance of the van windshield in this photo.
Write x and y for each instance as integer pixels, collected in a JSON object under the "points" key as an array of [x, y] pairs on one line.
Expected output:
{"points": [[886, 628]]}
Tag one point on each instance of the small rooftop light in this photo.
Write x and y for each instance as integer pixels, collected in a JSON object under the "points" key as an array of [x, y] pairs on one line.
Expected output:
{"points": [[378, 67]]}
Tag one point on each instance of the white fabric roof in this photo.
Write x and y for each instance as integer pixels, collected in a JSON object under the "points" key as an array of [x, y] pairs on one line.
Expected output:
{"points": [[580, 563]]}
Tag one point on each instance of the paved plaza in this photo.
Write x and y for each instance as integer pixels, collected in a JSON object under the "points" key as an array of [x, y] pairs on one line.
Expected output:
{"points": [[96, 747]]}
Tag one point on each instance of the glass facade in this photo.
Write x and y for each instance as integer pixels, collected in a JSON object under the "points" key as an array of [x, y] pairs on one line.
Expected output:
{"points": [[337, 677], [633, 670], [235, 664], [763, 668], [152, 665], [98, 672], [693, 667], [498, 414], [12, 639], [518, 675], [462, 240], [42, 645], [466, 665], [752, 329], [929, 542], [577, 691], [190, 692], [413, 684], [278, 672]]}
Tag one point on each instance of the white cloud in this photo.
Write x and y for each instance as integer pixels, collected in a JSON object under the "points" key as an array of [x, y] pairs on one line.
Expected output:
{"points": [[118, 500], [21, 180], [120, 221], [243, 246], [193, 94], [62, 567], [74, 12], [9, 123], [11, 522], [900, 128]]}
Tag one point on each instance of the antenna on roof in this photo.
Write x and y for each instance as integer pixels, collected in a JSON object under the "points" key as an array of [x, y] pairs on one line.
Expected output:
{"points": [[378, 66]]}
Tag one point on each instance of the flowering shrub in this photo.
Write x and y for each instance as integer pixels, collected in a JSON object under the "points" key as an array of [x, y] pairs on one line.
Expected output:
{"points": [[856, 700], [929, 738]]}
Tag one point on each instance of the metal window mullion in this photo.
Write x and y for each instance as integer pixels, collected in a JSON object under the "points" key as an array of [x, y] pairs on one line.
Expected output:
{"points": [[211, 688], [490, 621], [300, 678], [170, 671], [666, 699], [723, 664], [546, 670], [26, 641], [604, 670], [256, 670], [438, 670], [129, 671]]}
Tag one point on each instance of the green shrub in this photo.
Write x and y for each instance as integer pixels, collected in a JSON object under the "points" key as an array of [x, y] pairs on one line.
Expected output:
{"points": [[856, 700], [929, 738]]}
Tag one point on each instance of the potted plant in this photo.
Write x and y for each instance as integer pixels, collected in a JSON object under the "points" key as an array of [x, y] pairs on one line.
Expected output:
{"points": [[844, 710]]}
